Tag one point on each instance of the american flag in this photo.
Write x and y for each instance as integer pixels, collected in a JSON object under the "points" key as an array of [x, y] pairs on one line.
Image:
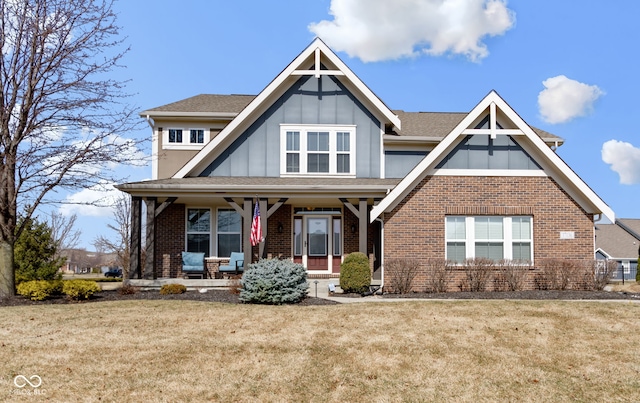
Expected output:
{"points": [[256, 227]]}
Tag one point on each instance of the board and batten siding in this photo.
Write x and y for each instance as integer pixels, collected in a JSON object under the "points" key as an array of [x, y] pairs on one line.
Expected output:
{"points": [[256, 152]]}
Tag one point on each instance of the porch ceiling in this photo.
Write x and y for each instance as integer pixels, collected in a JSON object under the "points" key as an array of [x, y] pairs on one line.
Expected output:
{"points": [[263, 186]]}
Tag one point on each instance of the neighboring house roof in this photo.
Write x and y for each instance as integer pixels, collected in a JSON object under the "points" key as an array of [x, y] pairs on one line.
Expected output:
{"points": [[615, 242], [631, 225], [309, 62], [492, 105]]}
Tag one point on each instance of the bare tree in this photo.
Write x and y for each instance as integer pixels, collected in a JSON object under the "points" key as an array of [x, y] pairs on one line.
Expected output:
{"points": [[65, 235], [61, 116], [120, 244]]}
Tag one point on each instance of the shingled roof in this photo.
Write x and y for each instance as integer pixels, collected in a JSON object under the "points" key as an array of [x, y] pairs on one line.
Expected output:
{"points": [[206, 103], [616, 242], [424, 124]]}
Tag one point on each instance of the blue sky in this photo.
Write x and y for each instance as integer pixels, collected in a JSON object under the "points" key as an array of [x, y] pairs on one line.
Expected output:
{"points": [[570, 68]]}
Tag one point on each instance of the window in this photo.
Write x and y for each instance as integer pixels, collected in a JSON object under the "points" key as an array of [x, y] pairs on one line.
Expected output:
{"points": [[318, 150], [229, 232], [175, 135], [198, 230], [185, 139], [491, 237], [196, 136]]}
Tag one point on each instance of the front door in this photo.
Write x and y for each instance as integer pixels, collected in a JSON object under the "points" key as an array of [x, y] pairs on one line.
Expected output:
{"points": [[317, 242]]}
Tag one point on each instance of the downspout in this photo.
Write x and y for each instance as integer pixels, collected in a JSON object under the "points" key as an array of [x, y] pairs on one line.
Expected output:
{"points": [[381, 253]]}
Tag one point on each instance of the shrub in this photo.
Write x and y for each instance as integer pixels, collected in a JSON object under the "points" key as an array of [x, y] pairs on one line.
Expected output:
{"points": [[560, 274], [173, 289], [274, 281], [438, 271], [477, 274], [79, 289], [38, 290], [599, 272], [510, 275], [355, 275], [127, 289], [401, 273]]}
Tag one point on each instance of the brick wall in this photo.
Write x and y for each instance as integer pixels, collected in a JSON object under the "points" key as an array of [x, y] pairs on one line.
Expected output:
{"points": [[170, 241], [416, 227]]}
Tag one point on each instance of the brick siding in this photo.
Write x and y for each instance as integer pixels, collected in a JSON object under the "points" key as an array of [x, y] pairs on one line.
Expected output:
{"points": [[416, 227]]}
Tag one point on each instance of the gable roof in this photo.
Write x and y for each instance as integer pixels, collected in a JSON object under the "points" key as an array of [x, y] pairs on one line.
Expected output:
{"points": [[615, 242], [494, 104], [309, 62]]}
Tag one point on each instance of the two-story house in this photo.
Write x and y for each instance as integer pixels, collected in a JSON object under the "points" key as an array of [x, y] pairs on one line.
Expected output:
{"points": [[335, 171]]}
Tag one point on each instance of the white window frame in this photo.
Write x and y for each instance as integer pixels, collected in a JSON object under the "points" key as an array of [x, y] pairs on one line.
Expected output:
{"points": [[186, 143], [507, 236], [333, 152]]}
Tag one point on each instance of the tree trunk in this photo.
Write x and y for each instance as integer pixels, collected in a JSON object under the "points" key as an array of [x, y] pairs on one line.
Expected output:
{"points": [[7, 275]]}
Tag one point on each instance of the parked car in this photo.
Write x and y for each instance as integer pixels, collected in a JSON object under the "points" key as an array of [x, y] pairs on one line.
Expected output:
{"points": [[113, 273]]}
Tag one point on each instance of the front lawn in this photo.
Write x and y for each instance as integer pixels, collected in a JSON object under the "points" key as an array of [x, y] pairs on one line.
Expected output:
{"points": [[153, 350]]}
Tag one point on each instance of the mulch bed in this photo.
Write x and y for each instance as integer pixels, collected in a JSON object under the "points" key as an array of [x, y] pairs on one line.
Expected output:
{"points": [[209, 296], [528, 295], [225, 296]]}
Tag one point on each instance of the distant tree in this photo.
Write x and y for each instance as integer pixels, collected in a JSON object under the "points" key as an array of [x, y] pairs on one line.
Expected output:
{"points": [[36, 252], [120, 242], [63, 231], [61, 112]]}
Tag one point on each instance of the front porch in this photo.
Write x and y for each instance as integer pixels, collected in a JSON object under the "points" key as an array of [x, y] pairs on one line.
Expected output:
{"points": [[314, 223]]}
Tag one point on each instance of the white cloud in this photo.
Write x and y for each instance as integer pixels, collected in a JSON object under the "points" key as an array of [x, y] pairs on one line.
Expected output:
{"points": [[96, 201], [375, 30], [564, 99], [624, 159]]}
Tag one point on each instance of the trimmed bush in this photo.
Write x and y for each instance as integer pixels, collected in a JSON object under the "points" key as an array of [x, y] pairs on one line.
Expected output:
{"points": [[274, 281], [438, 273], [38, 290], [355, 275], [173, 289], [79, 289]]}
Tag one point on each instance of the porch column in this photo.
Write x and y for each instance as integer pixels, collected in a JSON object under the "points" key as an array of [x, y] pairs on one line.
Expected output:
{"points": [[150, 261], [246, 230], [362, 213], [264, 214], [363, 223], [136, 239]]}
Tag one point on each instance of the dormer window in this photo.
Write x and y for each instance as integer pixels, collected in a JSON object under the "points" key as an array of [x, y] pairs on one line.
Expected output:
{"points": [[317, 150], [184, 139]]}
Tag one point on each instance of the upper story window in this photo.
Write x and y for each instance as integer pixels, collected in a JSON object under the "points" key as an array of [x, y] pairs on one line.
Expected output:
{"points": [[185, 139], [317, 150]]}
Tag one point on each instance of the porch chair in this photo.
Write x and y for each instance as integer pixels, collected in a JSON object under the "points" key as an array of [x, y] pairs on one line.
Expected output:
{"points": [[193, 265], [236, 264]]}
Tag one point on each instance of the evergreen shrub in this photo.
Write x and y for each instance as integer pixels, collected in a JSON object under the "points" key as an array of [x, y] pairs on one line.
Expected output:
{"points": [[274, 281], [355, 275], [38, 290], [173, 289], [79, 289]]}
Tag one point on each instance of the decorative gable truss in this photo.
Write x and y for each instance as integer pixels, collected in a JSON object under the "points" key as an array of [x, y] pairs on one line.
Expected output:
{"points": [[494, 118], [316, 60]]}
